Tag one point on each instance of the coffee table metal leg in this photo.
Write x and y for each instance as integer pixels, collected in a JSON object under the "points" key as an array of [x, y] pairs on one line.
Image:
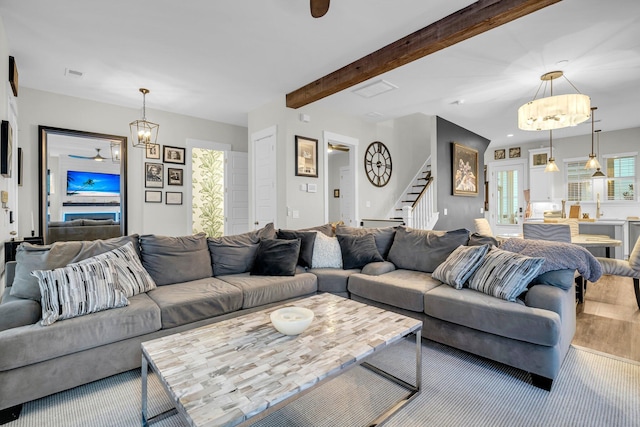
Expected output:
{"points": [[145, 369]]}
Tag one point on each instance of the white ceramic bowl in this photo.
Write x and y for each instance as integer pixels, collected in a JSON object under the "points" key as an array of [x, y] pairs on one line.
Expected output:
{"points": [[291, 320]]}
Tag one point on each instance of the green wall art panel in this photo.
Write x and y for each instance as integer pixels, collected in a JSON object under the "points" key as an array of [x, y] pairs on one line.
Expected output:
{"points": [[208, 191]]}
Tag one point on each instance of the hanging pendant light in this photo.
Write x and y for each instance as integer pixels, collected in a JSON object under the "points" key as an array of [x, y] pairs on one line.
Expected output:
{"points": [[554, 112], [593, 162], [143, 132], [598, 173], [115, 151], [551, 163]]}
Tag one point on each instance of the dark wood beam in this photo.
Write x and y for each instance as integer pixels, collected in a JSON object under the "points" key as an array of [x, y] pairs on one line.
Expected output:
{"points": [[474, 19]]}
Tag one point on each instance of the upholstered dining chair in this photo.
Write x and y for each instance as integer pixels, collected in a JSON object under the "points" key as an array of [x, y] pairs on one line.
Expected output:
{"points": [[483, 227], [630, 268]]}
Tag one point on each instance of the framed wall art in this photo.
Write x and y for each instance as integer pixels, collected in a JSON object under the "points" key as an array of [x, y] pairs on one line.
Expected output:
{"points": [[153, 151], [306, 157], [173, 198], [6, 149], [175, 176], [153, 175], [464, 170], [499, 154], [173, 154], [514, 152], [153, 196]]}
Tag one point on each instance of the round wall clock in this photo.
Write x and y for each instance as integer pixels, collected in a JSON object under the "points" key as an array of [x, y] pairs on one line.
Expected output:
{"points": [[377, 164]]}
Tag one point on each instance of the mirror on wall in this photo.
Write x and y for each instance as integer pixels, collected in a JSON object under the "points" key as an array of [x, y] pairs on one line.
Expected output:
{"points": [[83, 185]]}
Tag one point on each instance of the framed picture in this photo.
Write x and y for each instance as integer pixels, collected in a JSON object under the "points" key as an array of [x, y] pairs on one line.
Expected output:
{"points": [[540, 159], [464, 170], [20, 166], [153, 173], [173, 154], [514, 152], [153, 151], [336, 193], [153, 196], [174, 176], [6, 148], [173, 198], [13, 75], [306, 157], [499, 154]]}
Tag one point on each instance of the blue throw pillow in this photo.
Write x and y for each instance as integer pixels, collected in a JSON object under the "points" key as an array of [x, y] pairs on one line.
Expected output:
{"points": [[460, 265]]}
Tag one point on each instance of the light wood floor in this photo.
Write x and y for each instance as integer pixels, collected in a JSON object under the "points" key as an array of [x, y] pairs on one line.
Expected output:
{"points": [[609, 319]]}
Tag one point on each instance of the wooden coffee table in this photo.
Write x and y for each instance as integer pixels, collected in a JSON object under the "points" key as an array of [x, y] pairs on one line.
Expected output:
{"points": [[237, 371]]}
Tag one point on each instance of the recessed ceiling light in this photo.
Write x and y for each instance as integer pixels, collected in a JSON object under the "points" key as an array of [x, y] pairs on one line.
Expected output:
{"points": [[374, 89], [458, 102], [509, 135]]}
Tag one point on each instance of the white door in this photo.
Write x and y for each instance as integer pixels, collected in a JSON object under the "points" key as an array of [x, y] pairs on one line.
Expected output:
{"points": [[236, 178], [347, 202], [507, 203], [264, 177]]}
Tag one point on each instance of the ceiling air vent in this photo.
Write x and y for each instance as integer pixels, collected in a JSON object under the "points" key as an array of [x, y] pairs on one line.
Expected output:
{"points": [[374, 89]]}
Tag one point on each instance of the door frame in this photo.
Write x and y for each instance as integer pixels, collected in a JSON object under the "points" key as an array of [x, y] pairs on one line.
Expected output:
{"points": [[493, 190], [188, 188], [352, 143], [255, 137]]}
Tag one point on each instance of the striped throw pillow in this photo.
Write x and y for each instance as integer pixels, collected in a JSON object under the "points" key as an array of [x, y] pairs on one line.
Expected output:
{"points": [[504, 274], [133, 279], [460, 265], [78, 289]]}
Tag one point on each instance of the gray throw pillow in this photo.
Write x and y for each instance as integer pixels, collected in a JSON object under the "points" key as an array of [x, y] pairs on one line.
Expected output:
{"points": [[326, 229], [477, 239], [276, 257], [424, 250], [383, 236], [35, 257], [460, 265], [505, 274], [176, 259], [307, 240], [358, 251], [233, 254]]}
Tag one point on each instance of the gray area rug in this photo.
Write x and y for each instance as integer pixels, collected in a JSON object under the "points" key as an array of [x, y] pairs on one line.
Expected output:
{"points": [[459, 389]]}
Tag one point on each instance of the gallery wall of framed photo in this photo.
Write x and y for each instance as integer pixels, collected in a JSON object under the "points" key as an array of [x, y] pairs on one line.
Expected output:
{"points": [[156, 175]]}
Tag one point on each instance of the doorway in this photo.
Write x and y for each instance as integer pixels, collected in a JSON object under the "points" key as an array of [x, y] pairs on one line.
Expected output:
{"points": [[507, 197], [264, 177], [346, 205]]}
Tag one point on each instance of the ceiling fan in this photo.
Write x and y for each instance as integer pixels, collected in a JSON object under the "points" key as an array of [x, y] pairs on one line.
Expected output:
{"points": [[319, 8], [97, 157]]}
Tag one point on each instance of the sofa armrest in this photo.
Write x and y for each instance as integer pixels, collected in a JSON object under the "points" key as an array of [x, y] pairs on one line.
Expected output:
{"points": [[10, 272], [547, 297], [15, 312], [378, 268]]}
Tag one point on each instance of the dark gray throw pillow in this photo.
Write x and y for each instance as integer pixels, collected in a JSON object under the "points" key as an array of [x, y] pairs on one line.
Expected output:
{"points": [[233, 254], [307, 239], [358, 251], [477, 239], [382, 235], [176, 259], [424, 250], [276, 257]]}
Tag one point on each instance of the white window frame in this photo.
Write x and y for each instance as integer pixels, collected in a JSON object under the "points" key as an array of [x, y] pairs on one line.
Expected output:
{"points": [[565, 169], [605, 157]]}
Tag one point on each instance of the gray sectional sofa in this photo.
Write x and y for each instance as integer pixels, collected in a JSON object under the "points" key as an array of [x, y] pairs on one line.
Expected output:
{"points": [[202, 281]]}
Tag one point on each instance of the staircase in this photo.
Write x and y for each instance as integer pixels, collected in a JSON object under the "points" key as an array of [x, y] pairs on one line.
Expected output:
{"points": [[415, 207]]}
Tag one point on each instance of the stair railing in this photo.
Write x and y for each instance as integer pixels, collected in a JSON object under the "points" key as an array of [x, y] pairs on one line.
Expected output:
{"points": [[420, 214]]}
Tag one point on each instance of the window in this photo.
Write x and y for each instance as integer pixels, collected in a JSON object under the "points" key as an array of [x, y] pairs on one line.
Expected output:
{"points": [[579, 184], [621, 177]]}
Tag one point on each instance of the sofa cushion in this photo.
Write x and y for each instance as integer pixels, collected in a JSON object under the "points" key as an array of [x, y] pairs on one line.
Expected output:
{"points": [[378, 268], [307, 239], [79, 289], [477, 239], [132, 277], [424, 250], [460, 265], [400, 288], [35, 343], [563, 279], [233, 254], [504, 274], [188, 302], [334, 280], [276, 257], [486, 313], [358, 251], [35, 257], [383, 236], [326, 229], [326, 252], [16, 312], [260, 290], [176, 259]]}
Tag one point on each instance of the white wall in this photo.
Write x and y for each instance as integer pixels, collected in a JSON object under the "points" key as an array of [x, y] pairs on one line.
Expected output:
{"points": [[408, 140], [49, 109]]}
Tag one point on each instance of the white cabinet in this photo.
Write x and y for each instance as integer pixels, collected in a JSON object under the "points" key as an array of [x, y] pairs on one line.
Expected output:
{"points": [[540, 182]]}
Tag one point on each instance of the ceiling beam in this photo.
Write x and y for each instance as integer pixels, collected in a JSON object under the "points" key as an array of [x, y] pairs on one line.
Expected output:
{"points": [[474, 19]]}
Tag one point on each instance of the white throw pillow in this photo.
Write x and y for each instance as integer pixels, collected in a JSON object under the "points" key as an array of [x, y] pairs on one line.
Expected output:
{"points": [[78, 289], [326, 252], [133, 279]]}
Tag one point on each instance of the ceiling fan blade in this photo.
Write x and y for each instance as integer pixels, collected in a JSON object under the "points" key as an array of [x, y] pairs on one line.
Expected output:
{"points": [[319, 8], [79, 157]]}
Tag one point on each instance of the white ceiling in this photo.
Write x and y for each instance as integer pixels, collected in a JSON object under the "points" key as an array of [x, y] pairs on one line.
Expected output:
{"points": [[219, 60]]}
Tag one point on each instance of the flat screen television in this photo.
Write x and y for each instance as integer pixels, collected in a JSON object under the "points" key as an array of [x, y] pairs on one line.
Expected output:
{"points": [[92, 184]]}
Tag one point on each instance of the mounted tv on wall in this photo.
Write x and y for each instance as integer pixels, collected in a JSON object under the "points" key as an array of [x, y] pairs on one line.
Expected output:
{"points": [[92, 184]]}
